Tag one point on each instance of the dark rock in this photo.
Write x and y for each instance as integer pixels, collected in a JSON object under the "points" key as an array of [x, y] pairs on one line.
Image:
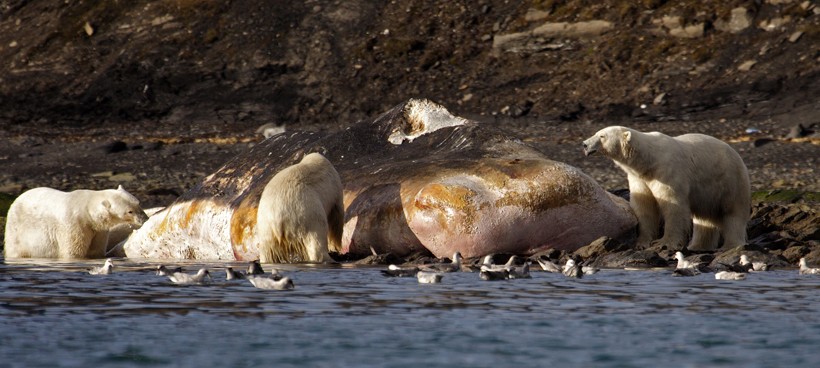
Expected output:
{"points": [[630, 258], [799, 131], [761, 141], [116, 146], [600, 246]]}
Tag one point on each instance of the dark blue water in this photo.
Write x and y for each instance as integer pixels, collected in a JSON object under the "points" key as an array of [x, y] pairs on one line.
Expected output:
{"points": [[53, 314]]}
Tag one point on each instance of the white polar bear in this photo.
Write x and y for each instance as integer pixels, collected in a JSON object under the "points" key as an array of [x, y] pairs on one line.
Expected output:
{"points": [[301, 213], [681, 180], [48, 223]]}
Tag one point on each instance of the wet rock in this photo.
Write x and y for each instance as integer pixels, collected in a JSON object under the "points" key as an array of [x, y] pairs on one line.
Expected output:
{"points": [[599, 247], [630, 258]]}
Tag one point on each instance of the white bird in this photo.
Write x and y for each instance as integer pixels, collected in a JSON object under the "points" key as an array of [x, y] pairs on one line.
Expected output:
{"points": [[427, 277], [493, 275], [261, 282], [186, 279], [682, 262], [254, 268], [589, 270], [754, 266], [520, 272], [455, 266], [396, 271], [572, 270], [230, 274], [164, 271], [728, 275], [806, 270], [548, 265], [488, 265], [685, 272], [105, 269]]}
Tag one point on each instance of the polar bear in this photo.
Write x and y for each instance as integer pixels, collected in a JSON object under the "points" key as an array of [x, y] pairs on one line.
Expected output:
{"points": [[301, 213], [692, 178], [48, 223]]}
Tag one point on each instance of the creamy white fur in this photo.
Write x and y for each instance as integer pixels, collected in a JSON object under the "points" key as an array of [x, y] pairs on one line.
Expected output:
{"points": [[692, 182], [301, 213], [48, 223]]}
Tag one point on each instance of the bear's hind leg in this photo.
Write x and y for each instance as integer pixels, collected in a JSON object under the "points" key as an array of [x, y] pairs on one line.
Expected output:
{"points": [[733, 229], [316, 244], [705, 235]]}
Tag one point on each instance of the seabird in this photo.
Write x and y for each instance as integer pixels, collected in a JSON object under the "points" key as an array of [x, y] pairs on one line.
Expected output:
{"points": [[186, 279], [685, 272], [806, 270], [683, 263], [494, 275], [164, 271], [520, 272], [230, 274], [427, 277], [262, 282], [455, 266], [105, 269], [754, 266], [728, 275], [396, 271], [589, 270], [254, 268], [548, 265], [572, 270]]}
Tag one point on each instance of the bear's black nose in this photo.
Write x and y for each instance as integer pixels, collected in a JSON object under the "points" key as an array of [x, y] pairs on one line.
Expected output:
{"points": [[584, 144]]}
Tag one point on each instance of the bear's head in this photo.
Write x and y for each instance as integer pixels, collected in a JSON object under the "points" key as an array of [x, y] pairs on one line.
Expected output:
{"points": [[611, 141], [122, 208]]}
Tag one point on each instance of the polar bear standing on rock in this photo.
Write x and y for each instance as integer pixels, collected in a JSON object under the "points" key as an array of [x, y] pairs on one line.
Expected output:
{"points": [[48, 223], [692, 178], [301, 212]]}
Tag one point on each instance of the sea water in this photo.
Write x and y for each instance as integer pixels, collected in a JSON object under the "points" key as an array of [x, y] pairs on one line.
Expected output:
{"points": [[54, 314]]}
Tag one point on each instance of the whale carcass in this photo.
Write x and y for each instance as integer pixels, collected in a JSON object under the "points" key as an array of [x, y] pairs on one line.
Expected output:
{"points": [[416, 178]]}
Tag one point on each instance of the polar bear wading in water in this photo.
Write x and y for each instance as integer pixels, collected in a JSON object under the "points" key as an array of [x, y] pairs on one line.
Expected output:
{"points": [[301, 213], [691, 178], [48, 223]]}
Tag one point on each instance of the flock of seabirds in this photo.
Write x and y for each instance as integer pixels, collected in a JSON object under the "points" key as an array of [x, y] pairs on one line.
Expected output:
{"points": [[433, 273]]}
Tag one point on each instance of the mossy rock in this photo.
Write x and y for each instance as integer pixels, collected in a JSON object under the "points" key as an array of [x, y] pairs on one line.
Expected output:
{"points": [[785, 195]]}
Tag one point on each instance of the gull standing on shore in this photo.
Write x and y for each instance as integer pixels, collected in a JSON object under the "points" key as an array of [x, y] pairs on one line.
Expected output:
{"points": [[806, 270]]}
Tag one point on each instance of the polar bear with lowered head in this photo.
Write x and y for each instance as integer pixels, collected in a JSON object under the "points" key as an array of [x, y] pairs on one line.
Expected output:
{"points": [[301, 213], [48, 223], [692, 181]]}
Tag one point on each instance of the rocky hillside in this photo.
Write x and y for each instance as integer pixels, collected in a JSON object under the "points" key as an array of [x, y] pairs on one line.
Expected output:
{"points": [[221, 67]]}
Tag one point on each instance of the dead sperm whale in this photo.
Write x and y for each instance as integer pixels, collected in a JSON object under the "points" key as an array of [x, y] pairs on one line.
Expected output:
{"points": [[415, 178]]}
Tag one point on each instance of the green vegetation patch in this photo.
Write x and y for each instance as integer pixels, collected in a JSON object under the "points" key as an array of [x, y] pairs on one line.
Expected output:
{"points": [[785, 195], [5, 203]]}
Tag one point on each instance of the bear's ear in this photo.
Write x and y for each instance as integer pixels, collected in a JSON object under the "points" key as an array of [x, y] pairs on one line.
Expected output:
{"points": [[119, 187], [627, 135]]}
